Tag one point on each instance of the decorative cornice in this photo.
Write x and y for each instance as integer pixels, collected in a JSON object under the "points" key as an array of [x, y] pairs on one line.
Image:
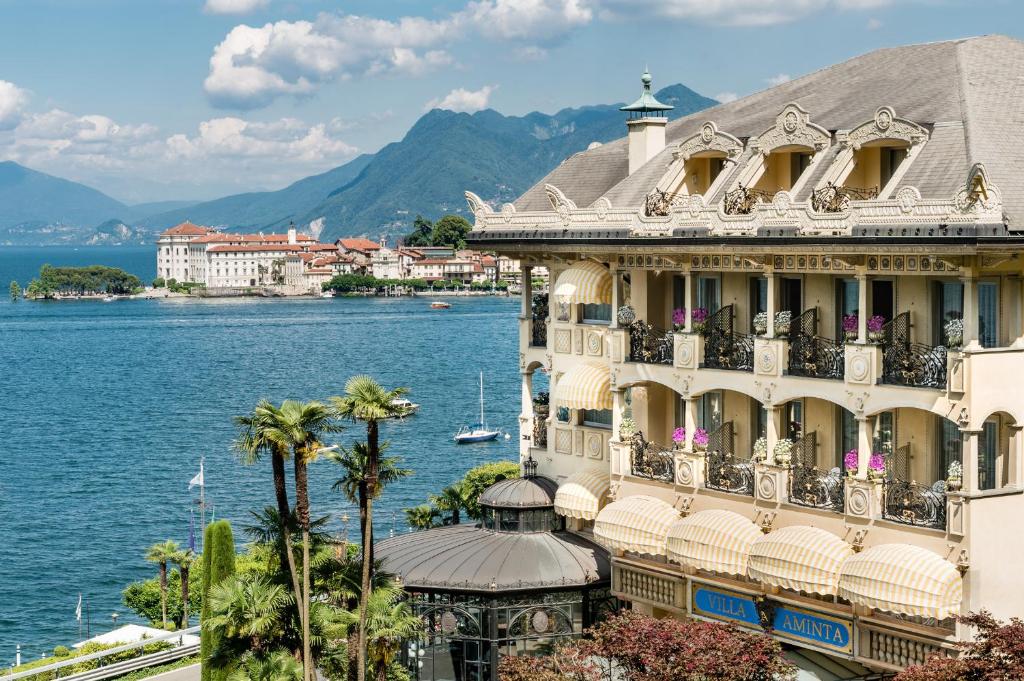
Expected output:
{"points": [[710, 138], [885, 126], [792, 127]]}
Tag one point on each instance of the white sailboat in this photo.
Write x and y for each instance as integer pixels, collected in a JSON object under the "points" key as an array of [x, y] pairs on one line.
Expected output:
{"points": [[477, 432]]}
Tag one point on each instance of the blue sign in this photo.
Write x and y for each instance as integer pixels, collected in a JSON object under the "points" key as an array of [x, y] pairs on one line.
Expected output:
{"points": [[724, 605], [802, 625]]}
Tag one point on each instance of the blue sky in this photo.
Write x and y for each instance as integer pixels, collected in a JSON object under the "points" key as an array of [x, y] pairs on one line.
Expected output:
{"points": [[190, 99]]}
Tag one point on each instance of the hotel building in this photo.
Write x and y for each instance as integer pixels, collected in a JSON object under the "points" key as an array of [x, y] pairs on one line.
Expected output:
{"points": [[785, 349]]}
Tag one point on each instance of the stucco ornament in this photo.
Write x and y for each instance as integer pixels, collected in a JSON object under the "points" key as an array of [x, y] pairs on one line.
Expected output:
{"points": [[507, 211], [793, 126], [684, 472], [709, 138], [885, 125], [695, 204], [601, 207], [907, 198], [478, 207], [858, 501], [859, 367], [977, 193], [782, 202], [540, 622], [766, 359], [766, 486]]}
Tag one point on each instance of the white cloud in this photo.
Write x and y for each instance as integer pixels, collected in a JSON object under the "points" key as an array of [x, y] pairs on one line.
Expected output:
{"points": [[778, 79], [726, 97], [253, 66], [730, 12], [462, 100], [233, 6], [874, 24], [13, 100]]}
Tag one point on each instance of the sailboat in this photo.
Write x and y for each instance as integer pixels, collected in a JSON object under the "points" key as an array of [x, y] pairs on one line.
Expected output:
{"points": [[477, 432]]}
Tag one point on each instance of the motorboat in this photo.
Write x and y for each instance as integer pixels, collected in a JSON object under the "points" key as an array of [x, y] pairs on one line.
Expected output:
{"points": [[440, 305], [479, 431], [407, 407]]}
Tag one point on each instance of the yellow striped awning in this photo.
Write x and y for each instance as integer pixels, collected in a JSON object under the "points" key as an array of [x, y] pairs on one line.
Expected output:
{"points": [[638, 524], [902, 579], [799, 558], [714, 540], [584, 282], [582, 495], [585, 386]]}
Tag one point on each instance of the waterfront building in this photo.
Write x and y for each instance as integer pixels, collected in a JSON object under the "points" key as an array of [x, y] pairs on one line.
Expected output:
{"points": [[173, 258], [787, 334]]}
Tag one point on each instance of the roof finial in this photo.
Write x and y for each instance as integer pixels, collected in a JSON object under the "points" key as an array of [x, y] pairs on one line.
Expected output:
{"points": [[647, 104]]}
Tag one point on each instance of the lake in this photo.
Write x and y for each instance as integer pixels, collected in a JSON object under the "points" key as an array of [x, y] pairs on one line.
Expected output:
{"points": [[109, 408]]}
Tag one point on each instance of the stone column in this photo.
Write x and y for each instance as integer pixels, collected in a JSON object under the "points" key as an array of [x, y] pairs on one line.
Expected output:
{"points": [[862, 307], [690, 420], [773, 429], [971, 444], [970, 320], [527, 393], [526, 274], [689, 301], [865, 430], [1014, 459], [616, 297], [618, 408], [772, 304]]}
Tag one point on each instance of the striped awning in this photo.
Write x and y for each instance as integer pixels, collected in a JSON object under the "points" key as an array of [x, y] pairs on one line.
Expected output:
{"points": [[582, 495], [714, 540], [585, 386], [638, 524], [584, 282], [902, 579], [799, 558]]}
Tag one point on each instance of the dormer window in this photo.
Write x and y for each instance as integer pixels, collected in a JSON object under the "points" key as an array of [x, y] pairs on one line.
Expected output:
{"points": [[783, 168]]}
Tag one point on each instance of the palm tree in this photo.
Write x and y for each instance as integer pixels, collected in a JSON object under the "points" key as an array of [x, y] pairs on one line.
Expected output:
{"points": [[454, 499], [279, 666], [184, 559], [389, 622], [298, 427], [422, 517], [250, 611], [162, 553], [365, 400]]}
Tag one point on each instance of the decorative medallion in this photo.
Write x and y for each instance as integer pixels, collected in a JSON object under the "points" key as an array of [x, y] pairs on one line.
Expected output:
{"points": [[593, 344], [684, 353], [858, 368], [790, 121], [781, 202], [883, 118], [601, 208], [540, 622], [449, 622], [595, 446], [506, 212], [766, 487], [858, 502], [766, 360], [684, 472], [907, 198], [707, 132], [695, 204]]}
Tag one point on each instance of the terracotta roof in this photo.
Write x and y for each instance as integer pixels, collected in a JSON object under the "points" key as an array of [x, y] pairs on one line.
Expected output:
{"points": [[254, 248], [216, 237], [187, 229], [359, 244], [430, 261], [319, 270]]}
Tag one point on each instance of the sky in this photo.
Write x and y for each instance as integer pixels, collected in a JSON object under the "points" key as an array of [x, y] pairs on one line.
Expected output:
{"points": [[151, 100]]}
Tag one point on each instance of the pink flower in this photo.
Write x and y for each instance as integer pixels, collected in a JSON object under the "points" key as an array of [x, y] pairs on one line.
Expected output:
{"points": [[678, 435], [850, 322], [852, 460], [876, 323], [877, 462], [679, 316], [700, 314], [700, 437]]}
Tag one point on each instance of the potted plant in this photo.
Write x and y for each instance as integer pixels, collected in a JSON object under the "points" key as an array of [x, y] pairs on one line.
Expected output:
{"points": [[760, 323], [954, 329], [783, 452], [700, 440], [875, 325], [627, 428], [679, 437], [679, 318], [626, 315], [851, 462], [782, 321], [699, 317], [760, 449], [955, 477], [876, 466], [850, 324]]}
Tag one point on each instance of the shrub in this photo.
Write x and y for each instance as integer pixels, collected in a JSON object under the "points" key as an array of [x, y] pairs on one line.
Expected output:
{"points": [[159, 282], [218, 564]]}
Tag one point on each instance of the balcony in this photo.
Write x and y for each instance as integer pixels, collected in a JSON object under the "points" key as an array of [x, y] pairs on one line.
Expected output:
{"points": [[905, 501], [811, 355], [723, 347], [835, 199], [809, 486], [723, 472], [649, 344], [538, 321], [540, 431], [910, 364], [743, 200], [650, 460]]}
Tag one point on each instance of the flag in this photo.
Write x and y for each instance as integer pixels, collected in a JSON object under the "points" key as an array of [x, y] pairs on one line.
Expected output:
{"points": [[78, 610], [198, 479], [192, 531]]}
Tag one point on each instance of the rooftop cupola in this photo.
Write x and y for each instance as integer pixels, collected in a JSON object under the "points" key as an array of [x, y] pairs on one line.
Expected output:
{"points": [[646, 124]]}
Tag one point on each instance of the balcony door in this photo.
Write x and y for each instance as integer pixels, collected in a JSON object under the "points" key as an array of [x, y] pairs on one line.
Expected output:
{"points": [[948, 304], [988, 314], [847, 301], [883, 298], [791, 296], [709, 293], [709, 413]]}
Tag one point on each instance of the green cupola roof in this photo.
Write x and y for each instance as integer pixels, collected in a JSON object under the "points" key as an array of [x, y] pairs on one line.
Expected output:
{"points": [[647, 103]]}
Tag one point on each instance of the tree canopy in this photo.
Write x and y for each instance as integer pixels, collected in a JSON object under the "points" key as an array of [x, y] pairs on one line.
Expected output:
{"points": [[82, 280], [997, 652], [450, 230]]}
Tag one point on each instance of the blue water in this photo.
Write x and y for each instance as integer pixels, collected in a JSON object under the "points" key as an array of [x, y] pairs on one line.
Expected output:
{"points": [[108, 407]]}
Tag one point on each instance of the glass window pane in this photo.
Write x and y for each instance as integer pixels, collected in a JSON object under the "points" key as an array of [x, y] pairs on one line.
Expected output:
{"points": [[950, 447], [597, 312], [708, 295], [848, 431], [988, 314], [710, 411], [600, 418], [884, 434], [988, 450], [950, 306]]}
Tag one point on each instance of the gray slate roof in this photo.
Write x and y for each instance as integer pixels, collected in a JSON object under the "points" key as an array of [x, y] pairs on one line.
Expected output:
{"points": [[968, 92], [469, 558], [535, 492]]}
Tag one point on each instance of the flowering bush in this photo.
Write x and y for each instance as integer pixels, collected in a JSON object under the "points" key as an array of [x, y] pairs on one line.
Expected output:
{"points": [[679, 318], [679, 435], [700, 438], [783, 451], [782, 321], [761, 449], [850, 324], [997, 652], [954, 329], [761, 323]]}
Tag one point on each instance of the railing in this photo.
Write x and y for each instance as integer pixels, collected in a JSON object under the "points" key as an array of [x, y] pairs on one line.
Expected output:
{"points": [[907, 502], [540, 431], [658, 203], [650, 460], [809, 486], [811, 355], [722, 471], [910, 364], [835, 199], [538, 321], [743, 200], [649, 344], [725, 349]]}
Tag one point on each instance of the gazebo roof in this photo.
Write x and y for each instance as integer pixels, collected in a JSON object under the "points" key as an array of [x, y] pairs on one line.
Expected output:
{"points": [[526, 492]]}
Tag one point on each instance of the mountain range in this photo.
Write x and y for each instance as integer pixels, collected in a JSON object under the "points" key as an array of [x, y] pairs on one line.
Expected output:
{"points": [[426, 172]]}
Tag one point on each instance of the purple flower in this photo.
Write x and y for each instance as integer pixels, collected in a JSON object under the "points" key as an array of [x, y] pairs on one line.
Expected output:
{"points": [[850, 322], [852, 460], [679, 316], [678, 435], [700, 314], [876, 323], [876, 462], [700, 437]]}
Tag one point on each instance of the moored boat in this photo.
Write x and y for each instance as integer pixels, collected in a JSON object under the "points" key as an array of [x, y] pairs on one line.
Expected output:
{"points": [[479, 431], [440, 305]]}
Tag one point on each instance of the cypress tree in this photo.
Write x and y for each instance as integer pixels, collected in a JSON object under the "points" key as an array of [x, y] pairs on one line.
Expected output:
{"points": [[218, 563]]}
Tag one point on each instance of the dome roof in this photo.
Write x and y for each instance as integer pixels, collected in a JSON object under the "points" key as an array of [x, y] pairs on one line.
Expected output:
{"points": [[470, 558], [528, 492]]}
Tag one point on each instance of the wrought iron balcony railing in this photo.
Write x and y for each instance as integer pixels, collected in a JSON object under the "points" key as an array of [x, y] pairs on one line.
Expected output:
{"points": [[650, 460], [809, 486], [835, 199], [905, 501], [910, 364], [538, 321], [722, 471], [540, 431], [724, 348], [658, 203], [811, 355], [743, 200], [649, 344]]}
